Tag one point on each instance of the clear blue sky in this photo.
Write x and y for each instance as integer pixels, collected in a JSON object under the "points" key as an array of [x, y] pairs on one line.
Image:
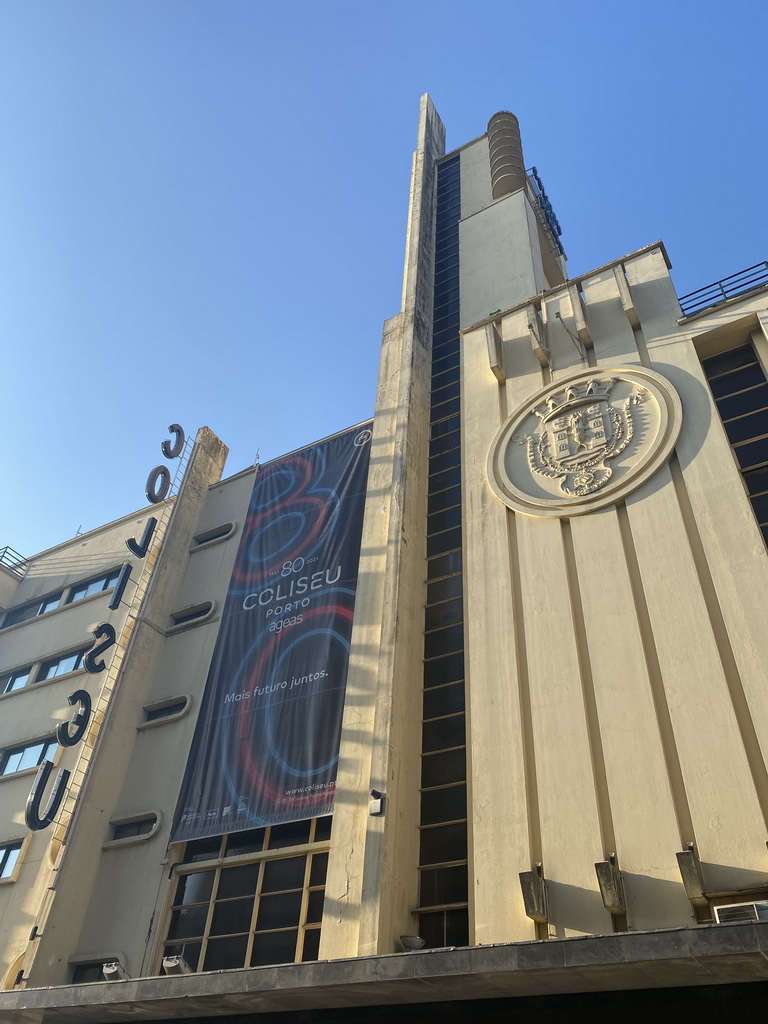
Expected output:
{"points": [[203, 202]]}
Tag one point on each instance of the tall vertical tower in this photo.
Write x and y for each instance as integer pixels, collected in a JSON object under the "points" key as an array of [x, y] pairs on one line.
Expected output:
{"points": [[554, 677]]}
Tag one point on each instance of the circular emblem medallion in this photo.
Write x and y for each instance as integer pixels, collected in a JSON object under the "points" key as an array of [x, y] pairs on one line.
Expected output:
{"points": [[586, 441]]}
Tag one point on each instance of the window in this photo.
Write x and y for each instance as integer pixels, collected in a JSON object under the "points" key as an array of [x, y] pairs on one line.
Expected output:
{"points": [[170, 708], [193, 614], [95, 586], [11, 681], [32, 609], [131, 828], [16, 759], [82, 974], [64, 663], [257, 900], [217, 533], [9, 854], [740, 390]]}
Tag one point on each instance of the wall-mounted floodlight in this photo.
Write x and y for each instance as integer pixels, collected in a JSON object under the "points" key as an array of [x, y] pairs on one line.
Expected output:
{"points": [[376, 804], [114, 971], [176, 965], [411, 943]]}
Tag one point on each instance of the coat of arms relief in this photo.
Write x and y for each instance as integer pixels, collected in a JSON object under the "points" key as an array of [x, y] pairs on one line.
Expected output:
{"points": [[586, 441], [580, 432]]}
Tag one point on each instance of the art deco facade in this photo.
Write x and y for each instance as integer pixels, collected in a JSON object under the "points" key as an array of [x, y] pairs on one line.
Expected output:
{"points": [[552, 765]]}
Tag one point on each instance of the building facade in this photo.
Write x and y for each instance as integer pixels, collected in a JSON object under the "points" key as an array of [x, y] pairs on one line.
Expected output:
{"points": [[551, 775]]}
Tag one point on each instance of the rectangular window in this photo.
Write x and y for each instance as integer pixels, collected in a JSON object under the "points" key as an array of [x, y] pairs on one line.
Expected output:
{"points": [[11, 681], [9, 854], [94, 586], [263, 908], [32, 609], [16, 759], [137, 827], [64, 663]]}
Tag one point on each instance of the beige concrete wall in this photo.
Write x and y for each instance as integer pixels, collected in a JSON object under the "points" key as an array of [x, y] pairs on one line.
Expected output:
{"points": [[372, 873], [74, 878], [620, 710]]}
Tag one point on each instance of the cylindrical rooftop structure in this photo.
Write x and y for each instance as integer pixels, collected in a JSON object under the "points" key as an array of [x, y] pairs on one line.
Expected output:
{"points": [[506, 154]]}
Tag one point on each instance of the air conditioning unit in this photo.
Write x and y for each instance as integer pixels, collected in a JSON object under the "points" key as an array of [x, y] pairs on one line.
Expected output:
{"points": [[731, 913]]}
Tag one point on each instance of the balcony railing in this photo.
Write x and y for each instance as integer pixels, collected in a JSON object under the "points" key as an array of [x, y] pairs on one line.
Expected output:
{"points": [[13, 561], [713, 294]]}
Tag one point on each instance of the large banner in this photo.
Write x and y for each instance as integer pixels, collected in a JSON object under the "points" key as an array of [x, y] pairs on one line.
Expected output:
{"points": [[267, 740]]}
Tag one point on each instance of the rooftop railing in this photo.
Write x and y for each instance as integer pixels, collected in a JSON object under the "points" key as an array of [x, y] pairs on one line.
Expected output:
{"points": [[13, 561], [713, 294]]}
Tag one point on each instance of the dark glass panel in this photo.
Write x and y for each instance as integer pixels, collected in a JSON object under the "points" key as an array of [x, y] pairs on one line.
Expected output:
{"points": [[447, 253], [444, 589], [323, 828], [443, 542], [449, 804], [274, 948], [446, 614], [189, 950], [445, 480], [224, 954], [444, 520], [746, 401], [280, 911], [202, 849], [195, 888], [457, 927], [446, 362], [448, 408], [445, 426], [315, 906], [757, 481], [319, 869], [737, 380], [443, 768], [440, 380], [444, 700], [446, 333], [443, 499], [446, 842], [730, 360], [446, 301], [311, 944], [295, 833], [444, 565], [448, 391], [448, 460], [444, 670], [240, 881], [284, 874], [747, 426], [443, 641], [84, 974], [753, 453], [251, 841], [443, 885], [760, 505], [432, 929], [232, 916], [439, 733], [188, 922]]}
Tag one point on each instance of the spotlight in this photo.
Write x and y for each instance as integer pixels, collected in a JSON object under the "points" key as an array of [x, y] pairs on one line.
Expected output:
{"points": [[114, 971], [175, 965], [411, 943]]}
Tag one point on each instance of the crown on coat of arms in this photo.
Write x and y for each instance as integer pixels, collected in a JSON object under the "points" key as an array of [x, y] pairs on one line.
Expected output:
{"points": [[573, 395]]}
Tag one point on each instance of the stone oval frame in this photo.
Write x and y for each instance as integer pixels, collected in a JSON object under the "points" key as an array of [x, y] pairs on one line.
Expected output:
{"points": [[648, 459]]}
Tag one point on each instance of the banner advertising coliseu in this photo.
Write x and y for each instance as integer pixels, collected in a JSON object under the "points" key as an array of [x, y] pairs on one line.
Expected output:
{"points": [[266, 745]]}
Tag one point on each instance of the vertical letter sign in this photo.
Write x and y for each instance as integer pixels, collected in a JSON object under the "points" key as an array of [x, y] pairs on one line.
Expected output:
{"points": [[267, 741]]}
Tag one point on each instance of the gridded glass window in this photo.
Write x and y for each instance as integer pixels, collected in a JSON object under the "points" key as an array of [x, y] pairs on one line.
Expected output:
{"points": [[64, 663], [11, 681], [443, 825], [94, 586], [9, 854], [16, 759], [137, 827], [32, 609], [257, 900], [740, 390]]}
